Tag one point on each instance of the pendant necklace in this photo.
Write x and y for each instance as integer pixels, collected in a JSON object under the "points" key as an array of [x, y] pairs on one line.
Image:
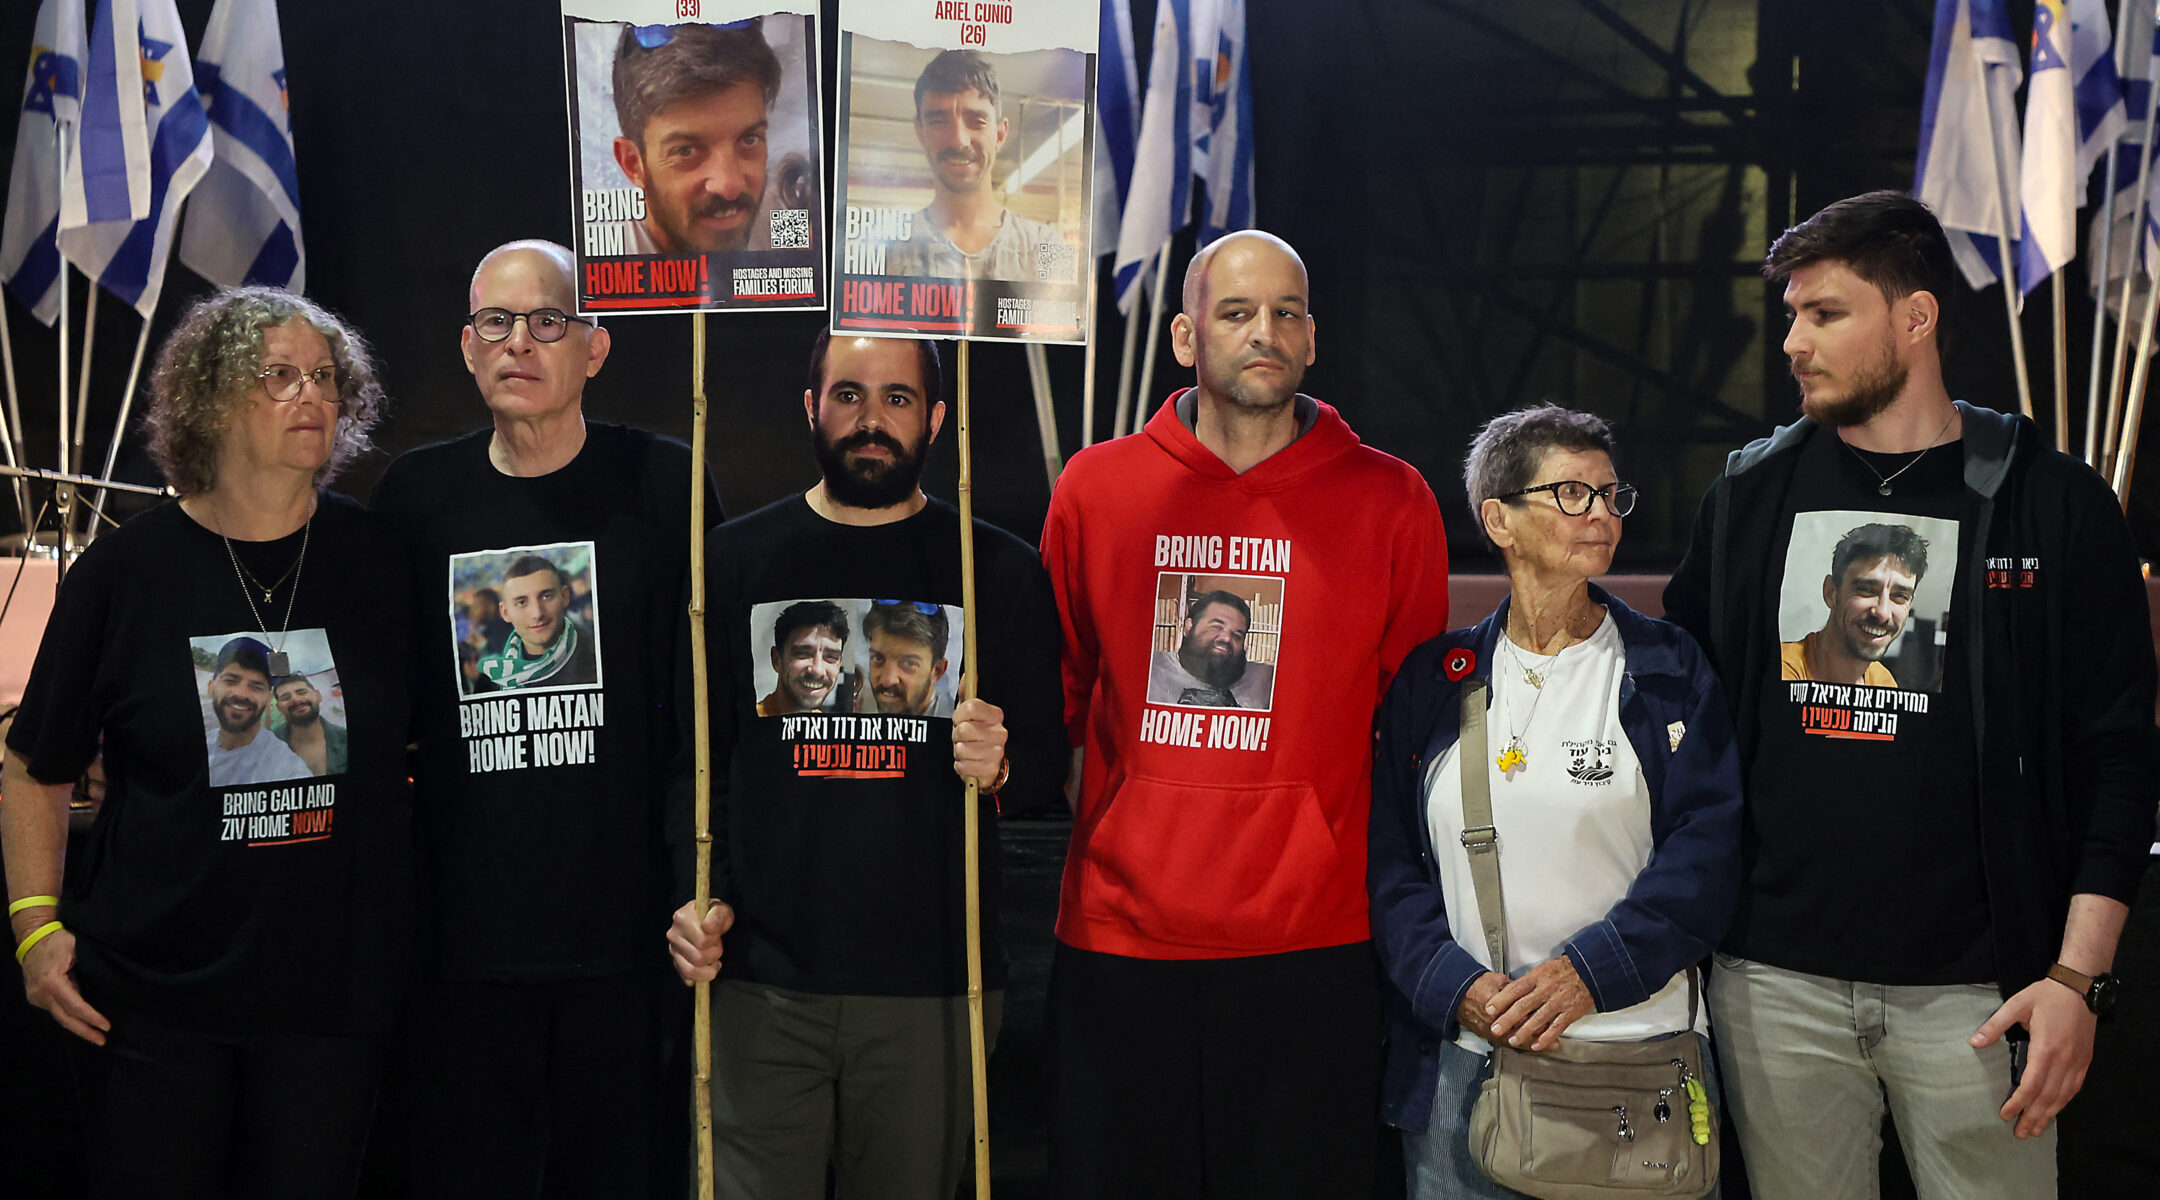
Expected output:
{"points": [[1883, 481], [1513, 757], [280, 665]]}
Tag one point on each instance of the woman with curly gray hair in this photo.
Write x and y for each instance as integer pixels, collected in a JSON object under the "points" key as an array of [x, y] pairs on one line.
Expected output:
{"points": [[231, 949]]}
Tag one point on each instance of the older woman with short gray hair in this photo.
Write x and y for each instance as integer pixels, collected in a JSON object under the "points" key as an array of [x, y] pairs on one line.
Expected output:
{"points": [[231, 955], [1614, 794]]}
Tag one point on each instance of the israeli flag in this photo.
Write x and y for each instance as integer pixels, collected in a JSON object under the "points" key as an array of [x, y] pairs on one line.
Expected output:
{"points": [[2073, 106], [2125, 248], [52, 104], [108, 170], [1229, 165], [1159, 201], [1117, 122], [1973, 66], [243, 223], [127, 258]]}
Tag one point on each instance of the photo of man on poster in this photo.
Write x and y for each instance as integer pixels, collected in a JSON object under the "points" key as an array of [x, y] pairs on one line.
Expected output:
{"points": [[694, 103]]}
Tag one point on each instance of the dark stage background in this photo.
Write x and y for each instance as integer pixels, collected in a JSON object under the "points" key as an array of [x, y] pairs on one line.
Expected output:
{"points": [[1500, 204]]}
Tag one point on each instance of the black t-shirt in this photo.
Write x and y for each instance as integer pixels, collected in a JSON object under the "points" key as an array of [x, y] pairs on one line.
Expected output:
{"points": [[1862, 837], [234, 881], [549, 751], [841, 842]]}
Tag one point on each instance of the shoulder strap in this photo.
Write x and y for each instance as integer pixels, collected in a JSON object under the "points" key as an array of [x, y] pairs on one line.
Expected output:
{"points": [[1478, 837]]}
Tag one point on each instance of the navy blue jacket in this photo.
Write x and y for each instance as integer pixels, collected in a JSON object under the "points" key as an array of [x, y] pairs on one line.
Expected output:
{"points": [[1671, 917]]}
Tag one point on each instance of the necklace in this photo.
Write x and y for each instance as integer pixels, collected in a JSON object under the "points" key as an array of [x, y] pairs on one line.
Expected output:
{"points": [[279, 663], [1536, 679], [1883, 481], [279, 582]]}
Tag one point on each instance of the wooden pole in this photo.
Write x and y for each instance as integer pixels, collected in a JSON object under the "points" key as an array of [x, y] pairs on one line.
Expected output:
{"points": [[11, 424], [701, 720], [1123, 413], [72, 453], [978, 1055], [2007, 252], [2107, 252], [2062, 363], [1087, 365], [1145, 397], [112, 448], [2140, 375], [2134, 264]]}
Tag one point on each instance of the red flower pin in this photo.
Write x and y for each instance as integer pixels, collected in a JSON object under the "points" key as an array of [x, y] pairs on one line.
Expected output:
{"points": [[1459, 662]]}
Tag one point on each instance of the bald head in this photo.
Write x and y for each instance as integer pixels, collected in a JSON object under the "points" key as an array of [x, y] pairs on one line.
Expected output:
{"points": [[550, 265], [1242, 249]]}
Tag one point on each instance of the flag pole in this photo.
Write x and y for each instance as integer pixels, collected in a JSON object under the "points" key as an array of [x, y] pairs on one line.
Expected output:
{"points": [[63, 494], [11, 424], [2062, 362], [1045, 410], [2132, 258], [2006, 251], [112, 448], [1154, 339], [1087, 365], [970, 675], [2140, 376], [1123, 415], [701, 718], [72, 454], [2107, 249]]}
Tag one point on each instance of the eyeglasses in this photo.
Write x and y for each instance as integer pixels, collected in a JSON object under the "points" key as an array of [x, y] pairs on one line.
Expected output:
{"points": [[1574, 496], [922, 606], [544, 324], [283, 381]]}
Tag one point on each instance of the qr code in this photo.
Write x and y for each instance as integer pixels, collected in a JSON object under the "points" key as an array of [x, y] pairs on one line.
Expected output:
{"points": [[791, 229], [1054, 260]]}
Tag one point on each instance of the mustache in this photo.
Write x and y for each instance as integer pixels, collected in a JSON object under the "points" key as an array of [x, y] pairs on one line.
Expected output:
{"points": [[723, 206], [960, 157], [873, 437]]}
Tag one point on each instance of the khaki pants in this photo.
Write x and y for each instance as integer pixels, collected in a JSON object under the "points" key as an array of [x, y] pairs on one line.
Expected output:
{"points": [[879, 1087], [1811, 1062]]}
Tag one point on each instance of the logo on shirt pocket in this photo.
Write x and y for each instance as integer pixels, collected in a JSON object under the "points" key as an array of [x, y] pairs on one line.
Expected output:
{"points": [[1591, 761]]}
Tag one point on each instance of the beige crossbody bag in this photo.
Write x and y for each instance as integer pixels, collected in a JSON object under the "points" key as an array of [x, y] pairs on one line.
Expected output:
{"points": [[1584, 1120]]}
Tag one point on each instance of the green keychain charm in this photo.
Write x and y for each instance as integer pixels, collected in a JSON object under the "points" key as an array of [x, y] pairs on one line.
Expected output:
{"points": [[1698, 1111]]}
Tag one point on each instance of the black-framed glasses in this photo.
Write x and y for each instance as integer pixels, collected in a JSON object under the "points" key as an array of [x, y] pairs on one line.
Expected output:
{"points": [[922, 606], [1574, 496], [283, 381], [544, 324]]}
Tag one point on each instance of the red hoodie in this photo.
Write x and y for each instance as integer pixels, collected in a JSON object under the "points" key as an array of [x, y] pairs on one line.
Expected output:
{"points": [[1222, 813]]}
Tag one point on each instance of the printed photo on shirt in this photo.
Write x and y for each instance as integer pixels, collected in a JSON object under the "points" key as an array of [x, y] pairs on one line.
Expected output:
{"points": [[1216, 640], [1866, 599], [895, 657], [526, 618], [272, 708]]}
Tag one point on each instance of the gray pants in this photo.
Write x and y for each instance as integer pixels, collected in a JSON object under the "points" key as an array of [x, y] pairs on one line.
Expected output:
{"points": [[879, 1087], [1810, 1063]]}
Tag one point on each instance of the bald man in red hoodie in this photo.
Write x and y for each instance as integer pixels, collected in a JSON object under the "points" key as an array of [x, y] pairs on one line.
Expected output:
{"points": [[1214, 1002]]}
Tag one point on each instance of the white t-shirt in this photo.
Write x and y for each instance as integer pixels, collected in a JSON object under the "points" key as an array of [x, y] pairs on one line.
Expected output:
{"points": [[1573, 823]]}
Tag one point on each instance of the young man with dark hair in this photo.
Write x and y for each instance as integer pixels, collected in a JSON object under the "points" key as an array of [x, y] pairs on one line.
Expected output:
{"points": [[840, 1025], [1931, 900], [1214, 996], [692, 102], [809, 645], [966, 231], [1875, 572]]}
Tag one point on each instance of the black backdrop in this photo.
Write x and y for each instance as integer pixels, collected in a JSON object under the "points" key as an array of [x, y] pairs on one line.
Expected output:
{"points": [[1558, 199]]}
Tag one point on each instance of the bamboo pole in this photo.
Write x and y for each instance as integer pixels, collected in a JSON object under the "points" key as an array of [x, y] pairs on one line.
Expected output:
{"points": [[1154, 340], [978, 1056], [2007, 252], [2062, 363], [1123, 413], [1087, 365], [2107, 250], [2140, 375], [701, 718], [2133, 265]]}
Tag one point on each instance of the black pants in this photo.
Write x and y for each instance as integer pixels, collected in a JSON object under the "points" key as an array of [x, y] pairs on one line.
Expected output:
{"points": [[1238, 1077], [181, 1113], [552, 1089]]}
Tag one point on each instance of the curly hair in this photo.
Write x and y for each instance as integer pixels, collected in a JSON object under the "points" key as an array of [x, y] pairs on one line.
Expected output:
{"points": [[207, 367]]}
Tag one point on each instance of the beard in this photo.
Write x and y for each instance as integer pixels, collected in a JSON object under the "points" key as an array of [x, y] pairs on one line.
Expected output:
{"points": [[951, 167], [679, 232], [304, 714], [868, 483], [1873, 389], [240, 724], [1233, 385], [1208, 669]]}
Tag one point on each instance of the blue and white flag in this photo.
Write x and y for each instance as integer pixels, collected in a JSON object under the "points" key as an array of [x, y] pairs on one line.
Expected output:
{"points": [[1229, 164], [2125, 247], [243, 222], [108, 166], [2073, 106], [1973, 67], [1159, 201], [127, 258], [52, 103], [1117, 121]]}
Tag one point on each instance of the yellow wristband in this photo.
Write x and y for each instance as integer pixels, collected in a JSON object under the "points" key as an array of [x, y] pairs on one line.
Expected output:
{"points": [[36, 935], [32, 902]]}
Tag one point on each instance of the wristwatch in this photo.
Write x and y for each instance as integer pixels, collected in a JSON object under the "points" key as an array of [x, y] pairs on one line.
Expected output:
{"points": [[2098, 990]]}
